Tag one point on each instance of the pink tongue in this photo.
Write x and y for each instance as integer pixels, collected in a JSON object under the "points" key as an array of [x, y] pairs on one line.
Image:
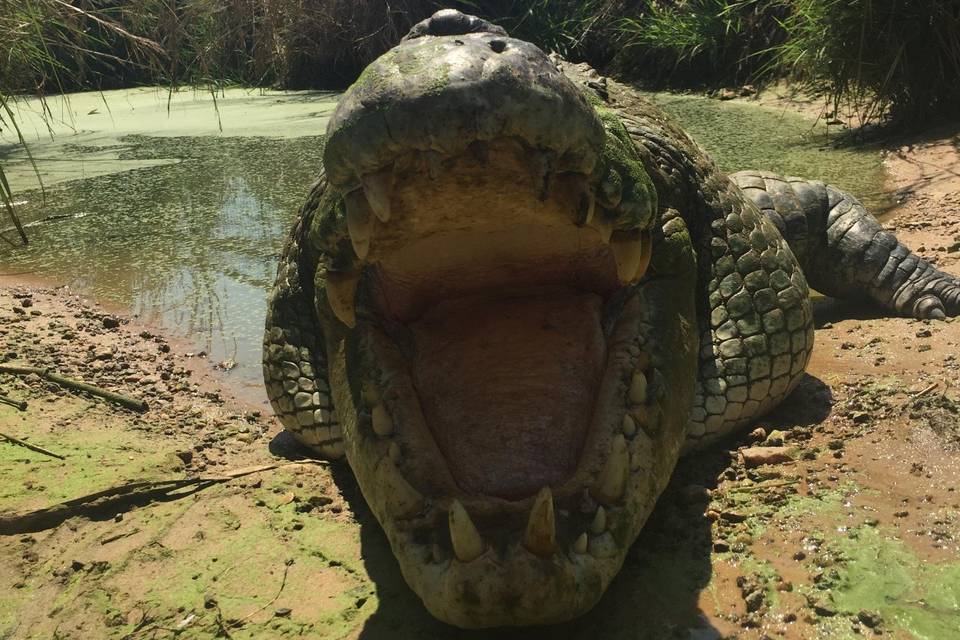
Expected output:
{"points": [[507, 386]]}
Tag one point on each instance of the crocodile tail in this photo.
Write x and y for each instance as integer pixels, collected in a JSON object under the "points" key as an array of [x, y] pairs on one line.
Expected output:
{"points": [[845, 252]]}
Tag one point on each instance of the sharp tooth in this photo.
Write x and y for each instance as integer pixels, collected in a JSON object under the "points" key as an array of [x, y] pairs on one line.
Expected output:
{"points": [[599, 524], [341, 294], [580, 544], [540, 536], [627, 253], [382, 422], [378, 187], [613, 479], [646, 244], [395, 454], [591, 206], [467, 543], [629, 426], [359, 222], [638, 388], [403, 501]]}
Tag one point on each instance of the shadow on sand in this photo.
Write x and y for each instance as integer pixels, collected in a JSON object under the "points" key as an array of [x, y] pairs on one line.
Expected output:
{"points": [[657, 593]]}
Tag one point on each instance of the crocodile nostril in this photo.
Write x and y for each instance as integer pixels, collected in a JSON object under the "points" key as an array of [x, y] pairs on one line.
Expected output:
{"points": [[498, 46]]}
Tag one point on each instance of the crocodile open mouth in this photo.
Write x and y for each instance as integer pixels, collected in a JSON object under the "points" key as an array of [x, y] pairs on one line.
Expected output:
{"points": [[513, 401], [495, 369], [496, 297]]}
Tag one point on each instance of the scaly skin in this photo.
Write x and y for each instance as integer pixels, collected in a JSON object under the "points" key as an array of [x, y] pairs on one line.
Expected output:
{"points": [[511, 419]]}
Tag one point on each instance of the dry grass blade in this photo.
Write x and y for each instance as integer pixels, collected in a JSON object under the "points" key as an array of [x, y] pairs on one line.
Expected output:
{"points": [[113, 26]]}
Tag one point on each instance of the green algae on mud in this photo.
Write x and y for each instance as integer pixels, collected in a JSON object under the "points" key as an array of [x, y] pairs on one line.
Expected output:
{"points": [[95, 460], [879, 573]]}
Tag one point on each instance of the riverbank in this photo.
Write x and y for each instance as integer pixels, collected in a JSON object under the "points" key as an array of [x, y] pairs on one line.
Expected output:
{"points": [[850, 529]]}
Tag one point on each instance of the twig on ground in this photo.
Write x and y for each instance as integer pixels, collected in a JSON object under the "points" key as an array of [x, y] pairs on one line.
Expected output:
{"points": [[126, 401], [283, 583], [115, 498], [119, 536], [918, 395], [32, 447], [19, 404]]}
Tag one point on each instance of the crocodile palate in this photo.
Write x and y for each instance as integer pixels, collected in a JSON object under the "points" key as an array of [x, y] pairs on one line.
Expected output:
{"points": [[518, 292]]}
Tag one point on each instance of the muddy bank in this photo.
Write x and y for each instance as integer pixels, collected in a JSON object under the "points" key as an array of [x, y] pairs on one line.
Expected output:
{"points": [[837, 516]]}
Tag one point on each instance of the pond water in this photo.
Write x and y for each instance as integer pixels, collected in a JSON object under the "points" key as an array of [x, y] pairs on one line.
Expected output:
{"points": [[175, 207]]}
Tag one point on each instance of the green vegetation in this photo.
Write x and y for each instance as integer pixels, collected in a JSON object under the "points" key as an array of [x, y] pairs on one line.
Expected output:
{"points": [[897, 58], [893, 60]]}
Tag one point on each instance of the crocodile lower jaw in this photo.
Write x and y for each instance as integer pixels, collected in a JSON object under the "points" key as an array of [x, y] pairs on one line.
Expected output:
{"points": [[455, 544]]}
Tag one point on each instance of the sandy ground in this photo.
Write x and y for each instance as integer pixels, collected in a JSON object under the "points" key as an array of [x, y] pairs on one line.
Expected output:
{"points": [[853, 530]]}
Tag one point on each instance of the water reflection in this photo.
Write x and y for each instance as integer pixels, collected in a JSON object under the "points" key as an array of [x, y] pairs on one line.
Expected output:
{"points": [[191, 245]]}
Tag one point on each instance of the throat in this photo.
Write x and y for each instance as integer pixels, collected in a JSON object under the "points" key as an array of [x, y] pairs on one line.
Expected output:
{"points": [[508, 382]]}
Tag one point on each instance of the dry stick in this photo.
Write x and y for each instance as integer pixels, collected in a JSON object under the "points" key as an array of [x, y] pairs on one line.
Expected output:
{"points": [[69, 383], [32, 447], [19, 404], [919, 395], [145, 491], [283, 583]]}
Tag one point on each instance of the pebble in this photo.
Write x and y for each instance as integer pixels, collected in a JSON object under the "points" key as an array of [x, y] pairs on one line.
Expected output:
{"points": [[757, 456]]}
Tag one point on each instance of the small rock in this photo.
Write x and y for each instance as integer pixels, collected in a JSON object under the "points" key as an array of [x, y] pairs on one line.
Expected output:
{"points": [[758, 434], [823, 609], [869, 618], [757, 456], [775, 438], [283, 612], [110, 322]]}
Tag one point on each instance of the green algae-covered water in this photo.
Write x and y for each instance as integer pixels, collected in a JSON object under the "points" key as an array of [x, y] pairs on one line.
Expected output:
{"points": [[740, 135], [175, 206]]}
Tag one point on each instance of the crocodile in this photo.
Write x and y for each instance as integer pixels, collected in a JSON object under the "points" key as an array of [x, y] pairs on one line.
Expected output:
{"points": [[518, 293]]}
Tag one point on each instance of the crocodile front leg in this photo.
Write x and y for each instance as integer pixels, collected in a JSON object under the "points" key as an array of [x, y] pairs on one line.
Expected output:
{"points": [[754, 314], [294, 363], [843, 250]]}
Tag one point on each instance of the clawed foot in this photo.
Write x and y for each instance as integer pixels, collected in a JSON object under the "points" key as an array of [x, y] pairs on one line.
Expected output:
{"points": [[932, 306]]}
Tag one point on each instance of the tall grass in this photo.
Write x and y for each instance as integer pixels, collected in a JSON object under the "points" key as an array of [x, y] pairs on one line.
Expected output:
{"points": [[578, 29], [48, 44], [899, 58], [697, 41], [885, 59]]}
